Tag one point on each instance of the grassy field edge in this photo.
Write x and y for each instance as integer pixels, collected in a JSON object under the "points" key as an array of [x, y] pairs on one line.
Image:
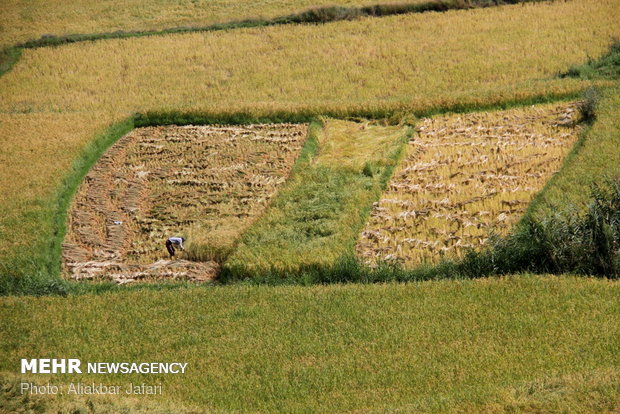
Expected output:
{"points": [[8, 58], [392, 113], [44, 276]]}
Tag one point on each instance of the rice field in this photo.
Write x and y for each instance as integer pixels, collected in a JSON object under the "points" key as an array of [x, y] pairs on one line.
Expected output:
{"points": [[466, 177], [206, 183], [289, 198], [525, 343], [405, 63], [411, 61], [24, 21]]}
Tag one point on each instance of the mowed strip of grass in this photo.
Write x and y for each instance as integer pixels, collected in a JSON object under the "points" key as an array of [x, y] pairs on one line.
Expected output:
{"points": [[315, 219], [523, 341], [409, 63]]}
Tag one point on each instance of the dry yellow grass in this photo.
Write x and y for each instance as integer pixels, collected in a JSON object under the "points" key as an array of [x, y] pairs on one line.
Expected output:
{"points": [[409, 62], [207, 183], [350, 145], [466, 176], [28, 20]]}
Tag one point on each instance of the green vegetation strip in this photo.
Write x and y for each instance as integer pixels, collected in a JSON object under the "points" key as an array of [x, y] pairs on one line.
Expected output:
{"points": [[315, 220], [320, 15], [442, 346], [8, 58], [606, 67]]}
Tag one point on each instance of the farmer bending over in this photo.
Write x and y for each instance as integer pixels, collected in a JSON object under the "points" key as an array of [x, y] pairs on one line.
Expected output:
{"points": [[172, 241]]}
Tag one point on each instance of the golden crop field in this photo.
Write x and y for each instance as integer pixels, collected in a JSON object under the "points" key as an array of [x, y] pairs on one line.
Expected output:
{"points": [[207, 183], [411, 62], [26, 182], [320, 174], [22, 21], [464, 178]]}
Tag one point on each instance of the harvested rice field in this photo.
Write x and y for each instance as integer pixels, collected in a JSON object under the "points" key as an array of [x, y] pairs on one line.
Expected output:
{"points": [[205, 183], [464, 178]]}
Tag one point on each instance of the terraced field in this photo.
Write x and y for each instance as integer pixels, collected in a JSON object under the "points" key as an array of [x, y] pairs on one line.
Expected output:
{"points": [[207, 183], [297, 159], [56, 101], [464, 178]]}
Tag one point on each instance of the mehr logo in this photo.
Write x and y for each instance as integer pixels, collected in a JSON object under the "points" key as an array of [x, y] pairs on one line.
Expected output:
{"points": [[51, 366]]}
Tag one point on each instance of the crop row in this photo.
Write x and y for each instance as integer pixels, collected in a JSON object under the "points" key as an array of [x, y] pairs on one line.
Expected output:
{"points": [[207, 183], [466, 177]]}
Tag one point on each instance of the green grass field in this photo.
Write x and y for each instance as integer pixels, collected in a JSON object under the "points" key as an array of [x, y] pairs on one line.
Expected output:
{"points": [[515, 343], [535, 343]]}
